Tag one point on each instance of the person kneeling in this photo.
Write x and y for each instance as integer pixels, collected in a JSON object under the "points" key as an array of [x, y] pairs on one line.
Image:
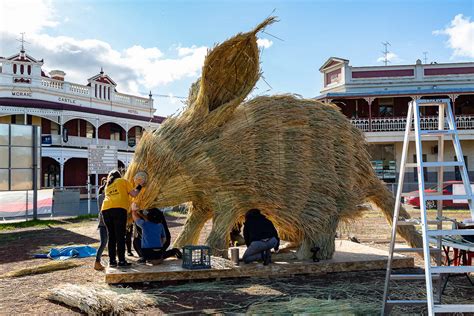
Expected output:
{"points": [[153, 234], [260, 237]]}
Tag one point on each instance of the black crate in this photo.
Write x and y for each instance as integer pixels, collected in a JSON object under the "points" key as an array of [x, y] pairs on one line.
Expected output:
{"points": [[196, 257]]}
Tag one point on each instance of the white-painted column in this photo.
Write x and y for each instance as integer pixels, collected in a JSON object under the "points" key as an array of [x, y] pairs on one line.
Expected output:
{"points": [[97, 131], [61, 173], [126, 135]]}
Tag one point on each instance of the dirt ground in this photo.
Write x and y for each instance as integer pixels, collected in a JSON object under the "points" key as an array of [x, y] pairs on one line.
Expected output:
{"points": [[25, 295]]}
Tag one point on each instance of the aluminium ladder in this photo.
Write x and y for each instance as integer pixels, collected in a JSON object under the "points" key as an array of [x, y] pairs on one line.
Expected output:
{"points": [[414, 128]]}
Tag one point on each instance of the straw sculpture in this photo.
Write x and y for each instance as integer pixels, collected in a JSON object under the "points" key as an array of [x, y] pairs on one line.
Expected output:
{"points": [[299, 161]]}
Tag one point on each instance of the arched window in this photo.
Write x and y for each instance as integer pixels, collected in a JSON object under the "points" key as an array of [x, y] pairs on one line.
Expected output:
{"points": [[108, 93], [95, 86], [14, 68], [29, 69], [22, 69], [100, 92]]}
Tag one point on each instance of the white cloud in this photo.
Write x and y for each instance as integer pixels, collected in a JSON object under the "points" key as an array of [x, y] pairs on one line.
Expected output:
{"points": [[391, 57], [461, 36], [136, 69], [28, 16], [264, 43]]}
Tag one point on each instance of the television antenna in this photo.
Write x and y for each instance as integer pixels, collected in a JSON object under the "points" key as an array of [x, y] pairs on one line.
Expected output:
{"points": [[22, 41], [385, 52], [425, 58]]}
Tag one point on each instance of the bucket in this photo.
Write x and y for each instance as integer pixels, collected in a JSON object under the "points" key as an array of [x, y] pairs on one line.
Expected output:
{"points": [[234, 255]]}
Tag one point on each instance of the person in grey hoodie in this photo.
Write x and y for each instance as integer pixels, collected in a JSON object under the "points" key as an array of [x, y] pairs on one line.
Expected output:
{"points": [[102, 228]]}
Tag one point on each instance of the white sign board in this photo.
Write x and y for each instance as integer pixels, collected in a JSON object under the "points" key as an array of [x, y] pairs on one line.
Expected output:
{"points": [[102, 159], [458, 189]]}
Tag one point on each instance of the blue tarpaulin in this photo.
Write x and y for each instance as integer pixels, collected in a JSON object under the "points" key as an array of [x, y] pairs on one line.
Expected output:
{"points": [[69, 252]]}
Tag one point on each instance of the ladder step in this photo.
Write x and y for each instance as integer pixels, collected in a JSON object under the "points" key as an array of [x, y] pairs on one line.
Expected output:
{"points": [[452, 269], [453, 308], [437, 197], [402, 250], [433, 164], [450, 232], [412, 276], [415, 221], [437, 132], [407, 302]]}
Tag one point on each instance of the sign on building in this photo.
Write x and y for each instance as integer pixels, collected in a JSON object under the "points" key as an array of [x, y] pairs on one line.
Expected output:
{"points": [[102, 159]]}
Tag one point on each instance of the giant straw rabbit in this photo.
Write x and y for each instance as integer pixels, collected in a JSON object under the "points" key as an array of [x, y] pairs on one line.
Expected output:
{"points": [[300, 161]]}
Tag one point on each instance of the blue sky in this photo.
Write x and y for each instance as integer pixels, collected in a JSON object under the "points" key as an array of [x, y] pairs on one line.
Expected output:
{"points": [[160, 45]]}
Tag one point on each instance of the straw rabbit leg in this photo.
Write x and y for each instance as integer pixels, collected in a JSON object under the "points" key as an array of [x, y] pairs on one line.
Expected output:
{"points": [[197, 216]]}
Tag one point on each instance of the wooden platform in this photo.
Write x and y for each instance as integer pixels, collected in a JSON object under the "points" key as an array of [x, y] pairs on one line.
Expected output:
{"points": [[349, 256]]}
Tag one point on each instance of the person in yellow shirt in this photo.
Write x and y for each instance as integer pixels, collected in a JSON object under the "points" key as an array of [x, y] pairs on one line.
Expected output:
{"points": [[114, 208]]}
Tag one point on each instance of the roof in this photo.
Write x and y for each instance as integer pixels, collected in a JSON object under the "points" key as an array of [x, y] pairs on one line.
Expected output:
{"points": [[333, 95], [23, 58], [101, 77], [332, 61], [41, 104]]}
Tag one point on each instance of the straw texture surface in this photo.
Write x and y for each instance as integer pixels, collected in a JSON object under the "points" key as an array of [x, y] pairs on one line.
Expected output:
{"points": [[299, 161]]}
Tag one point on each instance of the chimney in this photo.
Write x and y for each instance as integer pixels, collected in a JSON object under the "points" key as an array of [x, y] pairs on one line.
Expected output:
{"points": [[57, 74]]}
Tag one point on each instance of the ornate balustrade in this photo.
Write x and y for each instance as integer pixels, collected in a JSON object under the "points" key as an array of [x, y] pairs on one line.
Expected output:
{"points": [[397, 124], [84, 142]]}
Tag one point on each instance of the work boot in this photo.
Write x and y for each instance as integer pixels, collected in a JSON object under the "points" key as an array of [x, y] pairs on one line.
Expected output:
{"points": [[267, 257], [178, 253], [124, 264], [98, 266]]}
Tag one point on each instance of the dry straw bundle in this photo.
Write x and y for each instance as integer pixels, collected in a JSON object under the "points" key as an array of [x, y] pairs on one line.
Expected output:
{"points": [[100, 301], [48, 267], [299, 161]]}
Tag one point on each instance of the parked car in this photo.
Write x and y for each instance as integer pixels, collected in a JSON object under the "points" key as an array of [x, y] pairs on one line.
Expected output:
{"points": [[414, 200]]}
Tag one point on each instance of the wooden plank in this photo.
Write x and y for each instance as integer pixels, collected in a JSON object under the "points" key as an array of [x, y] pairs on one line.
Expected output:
{"points": [[349, 256]]}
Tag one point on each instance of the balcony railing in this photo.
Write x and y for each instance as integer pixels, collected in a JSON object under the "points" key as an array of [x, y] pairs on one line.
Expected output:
{"points": [[84, 142], [397, 124], [82, 90]]}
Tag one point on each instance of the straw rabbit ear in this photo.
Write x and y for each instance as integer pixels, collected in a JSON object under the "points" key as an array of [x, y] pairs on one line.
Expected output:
{"points": [[230, 72]]}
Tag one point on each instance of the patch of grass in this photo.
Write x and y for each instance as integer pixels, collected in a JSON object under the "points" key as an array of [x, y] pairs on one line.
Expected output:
{"points": [[40, 269], [30, 223], [44, 222], [81, 218], [175, 214]]}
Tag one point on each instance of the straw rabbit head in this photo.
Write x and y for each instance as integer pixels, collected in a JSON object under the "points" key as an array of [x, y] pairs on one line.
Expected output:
{"points": [[171, 154]]}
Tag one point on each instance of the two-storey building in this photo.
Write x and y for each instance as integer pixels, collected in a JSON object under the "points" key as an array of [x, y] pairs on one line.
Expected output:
{"points": [[72, 116], [376, 100]]}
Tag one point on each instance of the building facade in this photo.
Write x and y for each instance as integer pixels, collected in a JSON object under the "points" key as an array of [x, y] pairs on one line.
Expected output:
{"points": [[376, 99], [72, 116]]}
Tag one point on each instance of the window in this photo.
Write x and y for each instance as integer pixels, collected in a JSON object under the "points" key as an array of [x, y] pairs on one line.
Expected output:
{"points": [[22, 69], [115, 132], [14, 68], [54, 128], [457, 171], [425, 170], [138, 133], [18, 119], [95, 86], [29, 69], [386, 107], [89, 130], [383, 161]]}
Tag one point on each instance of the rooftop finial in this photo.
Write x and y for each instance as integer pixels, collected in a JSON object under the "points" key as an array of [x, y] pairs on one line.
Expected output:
{"points": [[101, 70]]}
